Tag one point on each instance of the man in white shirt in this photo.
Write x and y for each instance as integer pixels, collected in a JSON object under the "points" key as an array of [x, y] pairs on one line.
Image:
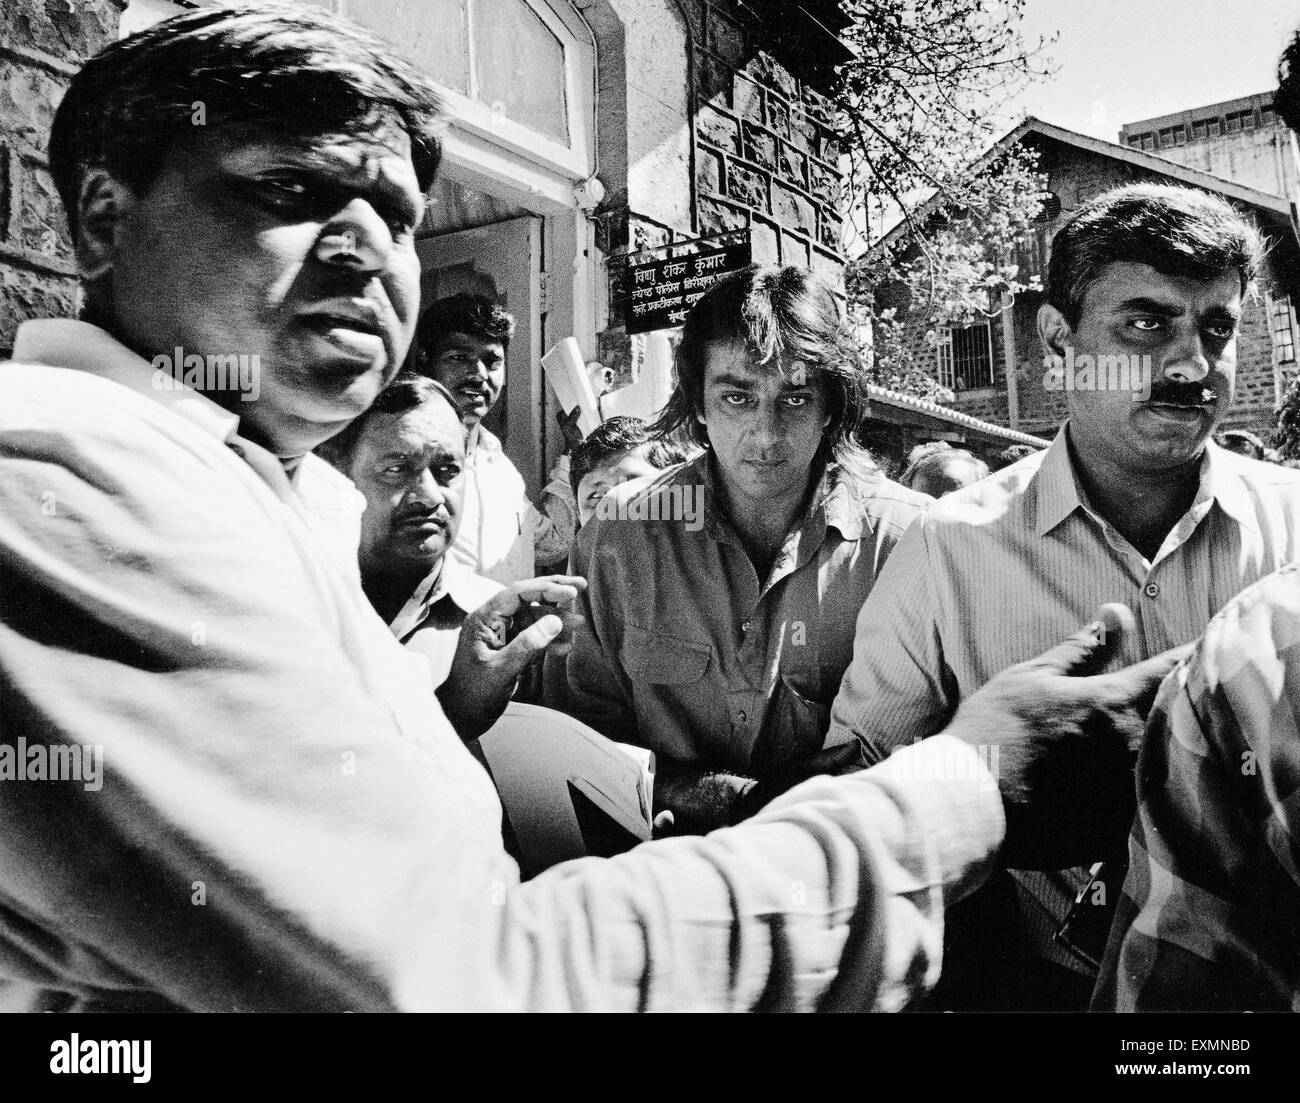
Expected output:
{"points": [[461, 342], [406, 455], [285, 819]]}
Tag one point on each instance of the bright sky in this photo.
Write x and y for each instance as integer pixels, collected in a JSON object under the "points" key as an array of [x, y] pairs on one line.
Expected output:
{"points": [[1124, 60]]}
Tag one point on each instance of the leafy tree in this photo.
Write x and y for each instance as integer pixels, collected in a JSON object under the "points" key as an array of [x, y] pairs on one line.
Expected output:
{"points": [[958, 271], [919, 108], [1286, 437], [924, 95]]}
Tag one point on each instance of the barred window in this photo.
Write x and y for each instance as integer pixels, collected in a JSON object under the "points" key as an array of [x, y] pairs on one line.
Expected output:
{"points": [[965, 357], [1283, 328]]}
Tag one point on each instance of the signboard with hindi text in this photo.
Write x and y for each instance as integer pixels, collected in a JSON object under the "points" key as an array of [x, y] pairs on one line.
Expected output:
{"points": [[659, 293]]}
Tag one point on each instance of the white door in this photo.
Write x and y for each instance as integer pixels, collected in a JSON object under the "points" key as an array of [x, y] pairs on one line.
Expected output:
{"points": [[502, 261]]}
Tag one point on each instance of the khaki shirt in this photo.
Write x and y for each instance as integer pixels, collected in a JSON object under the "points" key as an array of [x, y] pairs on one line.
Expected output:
{"points": [[688, 652]]}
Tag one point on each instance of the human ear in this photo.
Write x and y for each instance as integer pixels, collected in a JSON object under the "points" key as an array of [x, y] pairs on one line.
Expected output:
{"points": [[1053, 330], [103, 204]]}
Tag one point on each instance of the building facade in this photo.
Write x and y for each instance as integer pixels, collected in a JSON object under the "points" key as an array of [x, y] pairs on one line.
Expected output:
{"points": [[582, 136], [1241, 140]]}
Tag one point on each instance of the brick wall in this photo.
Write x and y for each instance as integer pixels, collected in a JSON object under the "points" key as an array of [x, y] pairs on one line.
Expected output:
{"points": [[1252, 408], [43, 45]]}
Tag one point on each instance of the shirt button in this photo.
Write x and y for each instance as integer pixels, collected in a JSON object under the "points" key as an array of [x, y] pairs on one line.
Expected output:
{"points": [[745, 627], [1151, 589]]}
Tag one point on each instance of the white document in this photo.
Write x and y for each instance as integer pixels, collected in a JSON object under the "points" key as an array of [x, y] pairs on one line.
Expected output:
{"points": [[566, 789], [568, 377]]}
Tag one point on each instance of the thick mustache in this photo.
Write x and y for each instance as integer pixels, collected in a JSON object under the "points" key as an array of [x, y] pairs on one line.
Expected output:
{"points": [[421, 515], [1182, 394]]}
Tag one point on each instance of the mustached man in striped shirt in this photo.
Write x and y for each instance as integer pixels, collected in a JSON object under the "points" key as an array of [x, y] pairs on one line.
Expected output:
{"points": [[1207, 919], [1132, 503]]}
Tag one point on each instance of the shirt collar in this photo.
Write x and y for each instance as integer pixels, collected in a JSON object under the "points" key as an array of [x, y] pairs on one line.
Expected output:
{"points": [[65, 343], [1058, 493], [836, 501], [841, 499], [1221, 480], [449, 579], [480, 440], [80, 346]]}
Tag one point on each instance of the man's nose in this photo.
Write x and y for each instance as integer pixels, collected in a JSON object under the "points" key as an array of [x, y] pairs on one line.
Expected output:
{"points": [[425, 491], [1186, 362], [356, 237], [767, 425]]}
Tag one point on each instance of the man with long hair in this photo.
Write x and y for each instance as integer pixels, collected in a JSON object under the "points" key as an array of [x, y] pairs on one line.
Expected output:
{"points": [[722, 596]]}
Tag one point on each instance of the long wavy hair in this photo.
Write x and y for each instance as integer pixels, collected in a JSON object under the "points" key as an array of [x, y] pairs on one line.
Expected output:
{"points": [[785, 316]]}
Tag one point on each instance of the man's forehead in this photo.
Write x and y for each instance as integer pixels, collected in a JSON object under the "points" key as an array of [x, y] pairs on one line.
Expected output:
{"points": [[468, 342], [382, 151], [1122, 281], [632, 461], [435, 424], [737, 362]]}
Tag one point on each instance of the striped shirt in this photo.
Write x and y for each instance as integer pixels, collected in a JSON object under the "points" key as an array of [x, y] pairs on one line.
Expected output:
{"points": [[996, 573], [1208, 918], [687, 651]]}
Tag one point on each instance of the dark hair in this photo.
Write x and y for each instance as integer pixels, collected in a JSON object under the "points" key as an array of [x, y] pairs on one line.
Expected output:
{"points": [[929, 464], [1014, 453], [1241, 441], [468, 313], [617, 437], [272, 69], [1177, 231], [784, 316], [924, 449], [406, 392]]}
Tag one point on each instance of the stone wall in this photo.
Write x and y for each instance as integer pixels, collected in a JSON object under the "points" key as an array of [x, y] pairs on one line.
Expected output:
{"points": [[756, 148], [765, 153], [42, 46]]}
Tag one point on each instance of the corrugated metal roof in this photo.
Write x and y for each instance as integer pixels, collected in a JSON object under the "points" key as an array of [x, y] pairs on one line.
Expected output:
{"points": [[955, 417]]}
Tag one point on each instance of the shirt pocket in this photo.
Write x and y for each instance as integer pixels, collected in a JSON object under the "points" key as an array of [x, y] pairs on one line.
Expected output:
{"points": [[801, 721], [656, 659]]}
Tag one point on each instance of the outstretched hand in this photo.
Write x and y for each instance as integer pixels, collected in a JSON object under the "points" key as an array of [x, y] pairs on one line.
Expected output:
{"points": [[497, 641], [1064, 741]]}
